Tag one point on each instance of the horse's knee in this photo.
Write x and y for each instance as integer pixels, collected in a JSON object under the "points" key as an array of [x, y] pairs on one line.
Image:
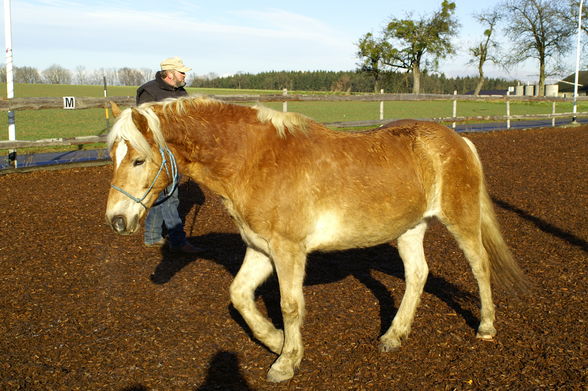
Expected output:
{"points": [[239, 296]]}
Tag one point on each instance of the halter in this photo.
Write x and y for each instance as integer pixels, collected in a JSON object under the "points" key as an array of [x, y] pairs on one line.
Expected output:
{"points": [[174, 175]]}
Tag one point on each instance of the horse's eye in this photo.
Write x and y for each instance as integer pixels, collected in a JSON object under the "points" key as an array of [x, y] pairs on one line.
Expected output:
{"points": [[138, 162]]}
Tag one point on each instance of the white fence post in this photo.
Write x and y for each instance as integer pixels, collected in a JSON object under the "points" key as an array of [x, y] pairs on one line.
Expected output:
{"points": [[553, 112], [285, 104], [508, 109], [454, 107], [381, 106]]}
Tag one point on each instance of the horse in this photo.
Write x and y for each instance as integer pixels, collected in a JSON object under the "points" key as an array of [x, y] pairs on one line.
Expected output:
{"points": [[293, 187]]}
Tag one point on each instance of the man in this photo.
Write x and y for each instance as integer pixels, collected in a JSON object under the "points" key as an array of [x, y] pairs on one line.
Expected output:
{"points": [[169, 82]]}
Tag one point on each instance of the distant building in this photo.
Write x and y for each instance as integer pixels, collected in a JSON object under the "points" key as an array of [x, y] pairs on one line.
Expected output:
{"points": [[566, 86], [489, 92]]}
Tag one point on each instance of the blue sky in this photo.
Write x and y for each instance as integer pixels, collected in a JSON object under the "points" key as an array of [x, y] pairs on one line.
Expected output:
{"points": [[224, 37]]}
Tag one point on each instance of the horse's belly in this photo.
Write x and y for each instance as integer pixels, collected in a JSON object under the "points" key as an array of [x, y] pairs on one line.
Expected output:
{"points": [[333, 232]]}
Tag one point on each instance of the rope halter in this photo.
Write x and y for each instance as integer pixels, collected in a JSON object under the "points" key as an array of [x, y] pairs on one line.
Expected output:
{"points": [[172, 172]]}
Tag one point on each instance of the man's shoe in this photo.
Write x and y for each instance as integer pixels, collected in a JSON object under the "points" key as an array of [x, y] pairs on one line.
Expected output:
{"points": [[159, 244], [186, 248]]}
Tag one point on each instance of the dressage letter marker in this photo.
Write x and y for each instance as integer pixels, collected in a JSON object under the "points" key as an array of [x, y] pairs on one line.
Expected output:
{"points": [[69, 102]]}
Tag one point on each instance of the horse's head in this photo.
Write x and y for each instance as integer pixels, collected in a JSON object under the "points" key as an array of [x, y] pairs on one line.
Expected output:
{"points": [[143, 167]]}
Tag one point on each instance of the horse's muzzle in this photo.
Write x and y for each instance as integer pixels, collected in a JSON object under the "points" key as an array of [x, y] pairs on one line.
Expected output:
{"points": [[120, 225]]}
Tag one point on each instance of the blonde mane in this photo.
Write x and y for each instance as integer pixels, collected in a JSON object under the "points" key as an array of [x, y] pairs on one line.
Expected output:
{"points": [[125, 129], [283, 122]]}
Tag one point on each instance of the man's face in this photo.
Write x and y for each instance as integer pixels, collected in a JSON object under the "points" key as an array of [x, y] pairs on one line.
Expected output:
{"points": [[178, 78]]}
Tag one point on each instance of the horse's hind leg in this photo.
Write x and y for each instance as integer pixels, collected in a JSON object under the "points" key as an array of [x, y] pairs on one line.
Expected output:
{"points": [[410, 247], [470, 241], [255, 270]]}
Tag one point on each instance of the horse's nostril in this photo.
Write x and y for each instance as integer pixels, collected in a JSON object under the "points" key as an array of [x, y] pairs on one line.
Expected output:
{"points": [[119, 224]]}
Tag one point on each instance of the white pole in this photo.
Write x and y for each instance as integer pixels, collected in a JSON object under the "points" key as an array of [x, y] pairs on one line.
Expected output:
{"points": [[507, 109], [575, 110], [454, 108], [381, 106], [285, 104], [9, 77]]}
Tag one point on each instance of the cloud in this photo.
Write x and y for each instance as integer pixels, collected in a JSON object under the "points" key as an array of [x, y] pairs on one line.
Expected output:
{"points": [[225, 44]]}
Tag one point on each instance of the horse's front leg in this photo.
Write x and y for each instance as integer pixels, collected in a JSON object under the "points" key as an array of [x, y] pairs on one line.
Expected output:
{"points": [[255, 270], [289, 260]]}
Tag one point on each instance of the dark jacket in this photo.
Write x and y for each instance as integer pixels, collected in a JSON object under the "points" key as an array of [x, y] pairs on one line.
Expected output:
{"points": [[156, 90]]}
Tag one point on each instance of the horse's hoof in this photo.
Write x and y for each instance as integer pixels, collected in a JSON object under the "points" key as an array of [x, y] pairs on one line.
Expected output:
{"points": [[485, 337], [389, 344], [486, 333], [279, 375], [388, 348]]}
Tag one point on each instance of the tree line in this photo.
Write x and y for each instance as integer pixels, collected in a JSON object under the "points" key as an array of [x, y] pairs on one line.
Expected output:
{"points": [[56, 74], [347, 82], [327, 81]]}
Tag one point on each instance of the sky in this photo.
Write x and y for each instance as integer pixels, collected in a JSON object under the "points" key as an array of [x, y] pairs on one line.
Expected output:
{"points": [[226, 37]]}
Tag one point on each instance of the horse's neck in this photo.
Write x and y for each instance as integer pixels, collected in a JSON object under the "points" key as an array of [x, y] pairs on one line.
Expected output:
{"points": [[213, 157]]}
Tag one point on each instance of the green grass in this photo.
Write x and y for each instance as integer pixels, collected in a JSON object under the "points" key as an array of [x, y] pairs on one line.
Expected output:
{"points": [[26, 90], [356, 111], [57, 123]]}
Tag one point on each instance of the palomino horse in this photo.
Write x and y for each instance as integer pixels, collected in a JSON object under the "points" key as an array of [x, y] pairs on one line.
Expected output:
{"points": [[294, 187]]}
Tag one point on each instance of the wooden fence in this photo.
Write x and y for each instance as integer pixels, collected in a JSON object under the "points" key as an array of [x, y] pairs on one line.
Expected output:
{"points": [[17, 104]]}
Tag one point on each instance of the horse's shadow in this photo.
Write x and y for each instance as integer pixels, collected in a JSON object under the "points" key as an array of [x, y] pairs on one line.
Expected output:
{"points": [[228, 250]]}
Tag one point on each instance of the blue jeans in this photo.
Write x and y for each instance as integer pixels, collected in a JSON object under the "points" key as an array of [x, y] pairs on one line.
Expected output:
{"points": [[165, 213]]}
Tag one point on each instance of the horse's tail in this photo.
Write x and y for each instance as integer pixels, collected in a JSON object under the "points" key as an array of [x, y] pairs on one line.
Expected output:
{"points": [[505, 271]]}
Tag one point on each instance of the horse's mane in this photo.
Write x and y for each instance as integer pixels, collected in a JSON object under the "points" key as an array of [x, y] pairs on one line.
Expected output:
{"points": [[125, 129], [284, 123]]}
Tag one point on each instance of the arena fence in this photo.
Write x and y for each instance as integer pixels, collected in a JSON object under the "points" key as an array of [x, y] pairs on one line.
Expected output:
{"points": [[17, 104]]}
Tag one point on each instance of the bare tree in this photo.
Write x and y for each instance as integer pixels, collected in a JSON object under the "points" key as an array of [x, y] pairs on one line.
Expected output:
{"points": [[27, 75], [570, 14], [56, 74], [96, 77], [536, 30], [81, 76], [130, 77], [485, 51], [147, 74]]}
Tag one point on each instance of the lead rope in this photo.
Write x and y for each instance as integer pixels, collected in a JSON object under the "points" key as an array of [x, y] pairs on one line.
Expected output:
{"points": [[174, 174]]}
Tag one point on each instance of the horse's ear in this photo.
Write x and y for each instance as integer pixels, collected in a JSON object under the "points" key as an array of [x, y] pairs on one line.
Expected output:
{"points": [[115, 109], [140, 121]]}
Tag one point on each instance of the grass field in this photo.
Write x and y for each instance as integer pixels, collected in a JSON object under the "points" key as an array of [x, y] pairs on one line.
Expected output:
{"points": [[57, 123]]}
